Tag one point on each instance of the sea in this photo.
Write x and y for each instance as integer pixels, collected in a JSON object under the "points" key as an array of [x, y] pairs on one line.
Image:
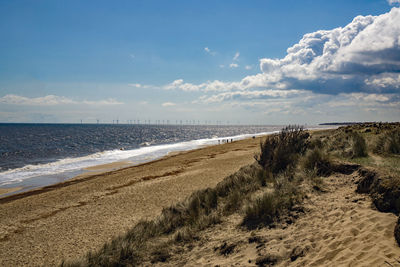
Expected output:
{"points": [[33, 155]]}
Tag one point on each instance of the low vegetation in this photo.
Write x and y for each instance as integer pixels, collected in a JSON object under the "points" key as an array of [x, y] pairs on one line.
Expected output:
{"points": [[271, 206], [358, 146], [388, 142], [281, 151], [318, 161], [264, 193]]}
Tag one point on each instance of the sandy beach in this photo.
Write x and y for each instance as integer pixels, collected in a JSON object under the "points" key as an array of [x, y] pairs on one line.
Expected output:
{"points": [[66, 220], [334, 226]]}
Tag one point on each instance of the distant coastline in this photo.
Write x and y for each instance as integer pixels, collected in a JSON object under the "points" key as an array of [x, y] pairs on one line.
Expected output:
{"points": [[343, 123]]}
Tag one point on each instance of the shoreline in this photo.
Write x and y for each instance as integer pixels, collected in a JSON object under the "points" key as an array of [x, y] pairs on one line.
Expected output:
{"points": [[34, 181], [38, 184], [94, 172], [46, 182]]}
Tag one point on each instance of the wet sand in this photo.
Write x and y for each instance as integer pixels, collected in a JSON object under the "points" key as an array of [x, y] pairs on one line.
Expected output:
{"points": [[66, 220], [9, 190]]}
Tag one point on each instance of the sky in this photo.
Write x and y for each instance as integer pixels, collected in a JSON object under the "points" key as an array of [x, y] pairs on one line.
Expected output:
{"points": [[227, 61]]}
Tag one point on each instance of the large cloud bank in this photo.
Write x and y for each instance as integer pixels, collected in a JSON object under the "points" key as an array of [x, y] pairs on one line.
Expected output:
{"points": [[350, 72], [363, 56]]}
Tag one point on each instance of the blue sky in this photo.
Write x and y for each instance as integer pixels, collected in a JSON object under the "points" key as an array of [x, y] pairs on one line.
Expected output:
{"points": [[62, 61]]}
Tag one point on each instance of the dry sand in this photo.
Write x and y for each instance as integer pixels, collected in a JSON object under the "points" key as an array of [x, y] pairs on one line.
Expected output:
{"points": [[64, 221], [338, 228]]}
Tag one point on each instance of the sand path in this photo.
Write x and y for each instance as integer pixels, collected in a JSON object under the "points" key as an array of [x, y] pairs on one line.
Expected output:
{"points": [[339, 228], [66, 220]]}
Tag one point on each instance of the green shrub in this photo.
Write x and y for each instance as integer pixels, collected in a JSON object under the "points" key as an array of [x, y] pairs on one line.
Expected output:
{"points": [[280, 151]]}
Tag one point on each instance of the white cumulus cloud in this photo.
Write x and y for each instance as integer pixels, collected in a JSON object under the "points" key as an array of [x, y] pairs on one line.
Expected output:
{"points": [[340, 60]]}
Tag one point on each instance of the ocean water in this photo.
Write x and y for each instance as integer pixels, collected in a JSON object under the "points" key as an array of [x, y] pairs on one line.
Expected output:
{"points": [[61, 151], [42, 150]]}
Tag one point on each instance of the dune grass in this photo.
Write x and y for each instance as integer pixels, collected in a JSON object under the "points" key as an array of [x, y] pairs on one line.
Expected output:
{"points": [[388, 142], [267, 209], [317, 160], [282, 150]]}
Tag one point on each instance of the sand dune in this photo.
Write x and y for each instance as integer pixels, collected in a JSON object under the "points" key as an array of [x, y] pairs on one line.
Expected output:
{"points": [[338, 228]]}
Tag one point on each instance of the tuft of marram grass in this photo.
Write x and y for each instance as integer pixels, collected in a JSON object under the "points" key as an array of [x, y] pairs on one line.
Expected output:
{"points": [[262, 211], [388, 142], [280, 151], [348, 143], [268, 208], [359, 146], [318, 161]]}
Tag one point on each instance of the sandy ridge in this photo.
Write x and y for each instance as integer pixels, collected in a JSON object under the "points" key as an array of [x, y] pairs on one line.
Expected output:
{"points": [[338, 228]]}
